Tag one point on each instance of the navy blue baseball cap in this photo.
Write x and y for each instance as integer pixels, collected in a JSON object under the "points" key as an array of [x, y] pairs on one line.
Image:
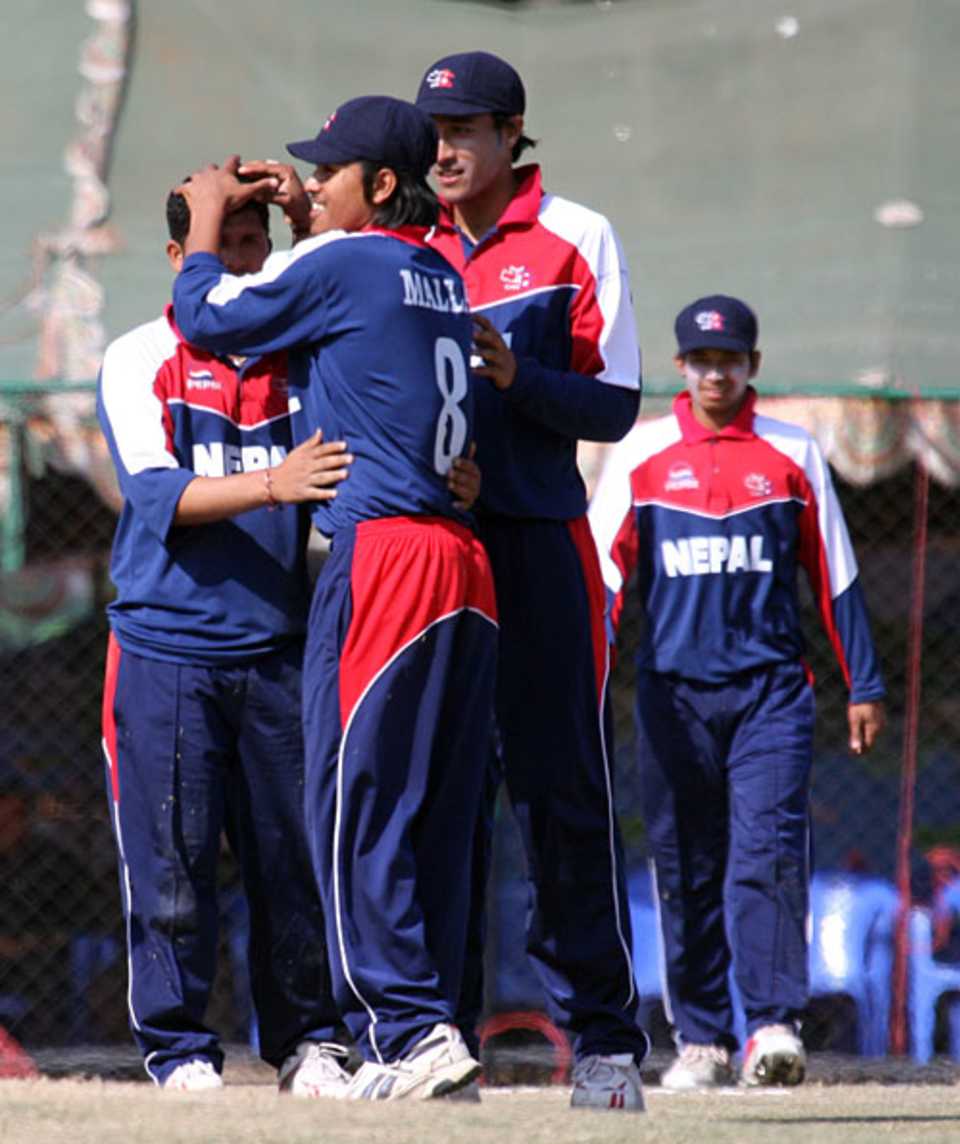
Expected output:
{"points": [[374, 127], [471, 83], [716, 322]]}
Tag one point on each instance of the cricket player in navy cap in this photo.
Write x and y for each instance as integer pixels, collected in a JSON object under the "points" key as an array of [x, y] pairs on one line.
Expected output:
{"points": [[557, 362], [401, 642], [713, 509]]}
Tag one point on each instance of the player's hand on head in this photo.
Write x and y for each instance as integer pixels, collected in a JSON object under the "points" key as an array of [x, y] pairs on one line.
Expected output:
{"points": [[311, 471], [497, 360], [287, 193], [221, 186], [866, 721], [464, 480]]}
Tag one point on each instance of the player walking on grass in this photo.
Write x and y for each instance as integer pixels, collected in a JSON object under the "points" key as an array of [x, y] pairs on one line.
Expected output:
{"points": [[398, 676], [558, 362], [716, 506], [201, 706]]}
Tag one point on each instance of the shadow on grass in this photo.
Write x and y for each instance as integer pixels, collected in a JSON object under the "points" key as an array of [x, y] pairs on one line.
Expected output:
{"points": [[865, 1119]]}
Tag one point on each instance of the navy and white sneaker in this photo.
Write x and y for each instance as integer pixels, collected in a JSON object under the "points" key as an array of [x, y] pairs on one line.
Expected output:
{"points": [[438, 1064]]}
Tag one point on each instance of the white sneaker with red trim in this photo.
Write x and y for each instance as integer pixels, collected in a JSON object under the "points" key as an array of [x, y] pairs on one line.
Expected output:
{"points": [[611, 1082], [774, 1055]]}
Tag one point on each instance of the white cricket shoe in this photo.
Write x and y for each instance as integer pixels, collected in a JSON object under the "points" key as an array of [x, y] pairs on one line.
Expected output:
{"points": [[607, 1082], [699, 1066], [193, 1076], [314, 1069], [438, 1064], [774, 1055]]}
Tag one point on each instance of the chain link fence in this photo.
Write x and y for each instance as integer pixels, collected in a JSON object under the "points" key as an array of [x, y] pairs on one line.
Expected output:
{"points": [[62, 963]]}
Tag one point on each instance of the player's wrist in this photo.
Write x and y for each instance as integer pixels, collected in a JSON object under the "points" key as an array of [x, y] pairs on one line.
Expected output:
{"points": [[297, 215], [507, 377], [272, 500]]}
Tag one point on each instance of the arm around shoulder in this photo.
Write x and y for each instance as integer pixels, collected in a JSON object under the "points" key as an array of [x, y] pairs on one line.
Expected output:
{"points": [[308, 473], [281, 306]]}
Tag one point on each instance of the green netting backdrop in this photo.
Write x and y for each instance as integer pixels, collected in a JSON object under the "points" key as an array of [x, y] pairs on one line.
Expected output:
{"points": [[738, 145]]}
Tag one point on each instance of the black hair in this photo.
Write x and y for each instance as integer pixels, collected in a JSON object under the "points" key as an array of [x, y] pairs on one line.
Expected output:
{"points": [[500, 121], [412, 203], [178, 214]]}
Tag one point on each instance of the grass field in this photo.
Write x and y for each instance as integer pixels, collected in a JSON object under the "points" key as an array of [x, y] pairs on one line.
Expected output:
{"points": [[111, 1112]]}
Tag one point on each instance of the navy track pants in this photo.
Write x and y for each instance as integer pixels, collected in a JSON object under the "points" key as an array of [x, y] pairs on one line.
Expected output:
{"points": [[192, 751], [725, 773], [398, 719], [555, 735]]}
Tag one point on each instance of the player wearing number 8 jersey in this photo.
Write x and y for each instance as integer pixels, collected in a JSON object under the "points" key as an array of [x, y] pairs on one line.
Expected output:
{"points": [[398, 673]]}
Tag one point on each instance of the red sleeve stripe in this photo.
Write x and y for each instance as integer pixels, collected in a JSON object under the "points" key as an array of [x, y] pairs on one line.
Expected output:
{"points": [[813, 556]]}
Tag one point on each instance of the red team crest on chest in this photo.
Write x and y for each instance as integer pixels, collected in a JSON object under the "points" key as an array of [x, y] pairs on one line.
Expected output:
{"points": [[758, 485], [515, 278]]}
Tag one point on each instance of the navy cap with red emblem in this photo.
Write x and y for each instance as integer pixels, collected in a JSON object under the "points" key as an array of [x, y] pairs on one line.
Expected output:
{"points": [[716, 322], [374, 127], [471, 83]]}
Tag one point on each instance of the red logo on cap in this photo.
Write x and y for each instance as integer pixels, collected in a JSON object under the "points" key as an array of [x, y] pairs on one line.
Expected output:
{"points": [[710, 320], [329, 123], [441, 77]]}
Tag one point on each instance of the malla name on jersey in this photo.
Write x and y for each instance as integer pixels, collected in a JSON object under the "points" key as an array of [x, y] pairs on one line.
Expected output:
{"points": [[379, 336]]}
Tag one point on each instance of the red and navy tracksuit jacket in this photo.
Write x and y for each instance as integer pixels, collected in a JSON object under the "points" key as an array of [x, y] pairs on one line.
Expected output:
{"points": [[399, 663], [171, 412], [551, 277], [717, 525]]}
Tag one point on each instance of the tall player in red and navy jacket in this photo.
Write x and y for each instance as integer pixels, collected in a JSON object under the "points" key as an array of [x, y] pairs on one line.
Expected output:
{"points": [[201, 700], [401, 645], [716, 508], [557, 362]]}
